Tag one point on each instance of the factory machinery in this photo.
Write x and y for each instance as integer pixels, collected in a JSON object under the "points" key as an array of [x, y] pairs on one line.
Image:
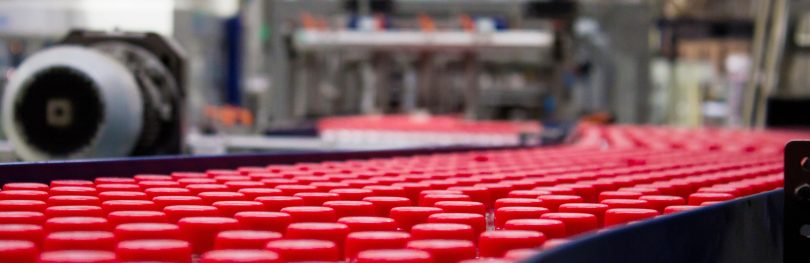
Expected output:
{"points": [[485, 59], [613, 194], [97, 94]]}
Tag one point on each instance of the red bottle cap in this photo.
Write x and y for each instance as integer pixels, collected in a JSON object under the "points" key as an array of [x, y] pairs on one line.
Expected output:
{"points": [[22, 217], [735, 191], [386, 190], [394, 256], [462, 207], [358, 183], [276, 203], [486, 260], [169, 200], [549, 227], [211, 197], [292, 250], [476, 221], [73, 200], [438, 192], [627, 203], [77, 256], [534, 194], [311, 213], [167, 191], [273, 182], [587, 192], [412, 189], [155, 184], [504, 214], [24, 195], [553, 202], [23, 205], [238, 185], [477, 194], [497, 190], [520, 254], [163, 250], [351, 208], [114, 180], [177, 212], [317, 199], [597, 210], [383, 204], [181, 175], [408, 216], [616, 216], [137, 231], [217, 173], [496, 243], [641, 190], [72, 190], [431, 199], [552, 243], [129, 205], [59, 183], [79, 240], [193, 181], [292, 189], [253, 193], [575, 223], [202, 188], [125, 217], [445, 250], [201, 231], [244, 239], [77, 223], [230, 208], [505, 202], [678, 208], [74, 210], [368, 223], [117, 187], [361, 241], [240, 256], [151, 177], [618, 195], [20, 251], [353, 194], [448, 231], [268, 221], [26, 186], [660, 202], [27, 232], [334, 232], [328, 186], [699, 198], [226, 179], [308, 180]]}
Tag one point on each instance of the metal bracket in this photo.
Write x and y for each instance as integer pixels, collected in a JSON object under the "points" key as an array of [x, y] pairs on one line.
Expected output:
{"points": [[797, 202]]}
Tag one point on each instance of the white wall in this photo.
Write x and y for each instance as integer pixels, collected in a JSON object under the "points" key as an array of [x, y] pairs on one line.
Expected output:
{"points": [[49, 18]]}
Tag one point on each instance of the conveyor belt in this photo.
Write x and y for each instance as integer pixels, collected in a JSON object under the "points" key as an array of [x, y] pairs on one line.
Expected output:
{"points": [[605, 200]]}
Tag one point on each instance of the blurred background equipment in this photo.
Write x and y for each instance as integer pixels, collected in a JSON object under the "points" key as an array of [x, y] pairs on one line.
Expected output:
{"points": [[97, 94], [265, 75], [486, 59], [594, 113]]}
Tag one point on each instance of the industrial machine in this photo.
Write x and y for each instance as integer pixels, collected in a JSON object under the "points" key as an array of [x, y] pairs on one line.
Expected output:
{"points": [[97, 94], [487, 59]]}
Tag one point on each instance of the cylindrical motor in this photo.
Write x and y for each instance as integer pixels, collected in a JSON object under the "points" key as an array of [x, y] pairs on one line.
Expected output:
{"points": [[105, 98]]}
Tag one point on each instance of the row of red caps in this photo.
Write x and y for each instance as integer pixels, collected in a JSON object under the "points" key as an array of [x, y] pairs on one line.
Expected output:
{"points": [[453, 207]]}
